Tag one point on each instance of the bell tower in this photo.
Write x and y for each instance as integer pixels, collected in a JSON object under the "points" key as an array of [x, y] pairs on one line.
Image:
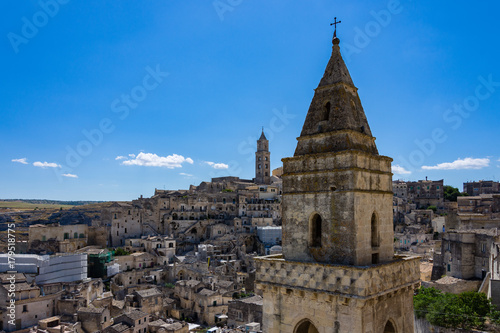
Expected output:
{"points": [[338, 272], [262, 161], [337, 189]]}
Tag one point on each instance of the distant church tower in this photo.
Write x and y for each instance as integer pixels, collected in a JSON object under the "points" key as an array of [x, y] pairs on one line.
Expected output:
{"points": [[338, 272], [262, 161]]}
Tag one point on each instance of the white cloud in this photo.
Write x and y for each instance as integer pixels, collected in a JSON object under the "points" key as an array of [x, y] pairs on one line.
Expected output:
{"points": [[461, 164], [120, 158], [186, 174], [218, 166], [148, 159], [69, 175], [20, 160], [131, 155], [399, 170], [46, 165]]}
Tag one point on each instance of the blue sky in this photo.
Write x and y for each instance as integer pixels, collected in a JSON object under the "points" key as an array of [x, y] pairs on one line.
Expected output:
{"points": [[108, 100]]}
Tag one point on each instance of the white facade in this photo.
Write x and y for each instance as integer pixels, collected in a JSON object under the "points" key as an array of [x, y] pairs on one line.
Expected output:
{"points": [[48, 269], [113, 269], [269, 235]]}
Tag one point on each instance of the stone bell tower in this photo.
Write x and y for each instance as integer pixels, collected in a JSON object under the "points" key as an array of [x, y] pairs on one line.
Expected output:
{"points": [[338, 272], [263, 161]]}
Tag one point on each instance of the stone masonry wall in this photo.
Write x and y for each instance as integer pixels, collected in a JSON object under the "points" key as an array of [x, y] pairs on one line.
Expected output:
{"points": [[338, 279]]}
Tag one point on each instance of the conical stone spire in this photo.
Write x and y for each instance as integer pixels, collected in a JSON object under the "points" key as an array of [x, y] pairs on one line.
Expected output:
{"points": [[336, 71], [262, 136], [335, 120]]}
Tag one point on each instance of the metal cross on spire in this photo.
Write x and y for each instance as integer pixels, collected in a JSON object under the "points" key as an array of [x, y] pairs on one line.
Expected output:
{"points": [[335, 22]]}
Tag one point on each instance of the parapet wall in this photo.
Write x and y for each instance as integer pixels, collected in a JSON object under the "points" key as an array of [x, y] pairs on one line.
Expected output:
{"points": [[351, 281]]}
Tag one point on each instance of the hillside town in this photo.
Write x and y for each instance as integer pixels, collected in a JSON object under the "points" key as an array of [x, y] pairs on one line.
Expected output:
{"points": [[183, 260], [308, 246], [177, 261]]}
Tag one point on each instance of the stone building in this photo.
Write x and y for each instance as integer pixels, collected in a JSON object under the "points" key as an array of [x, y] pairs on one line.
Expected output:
{"points": [[125, 222], [494, 261], [478, 212], [30, 304], [244, 311], [425, 193], [262, 161], [136, 260], [481, 187], [422, 193], [148, 300], [199, 302], [400, 189], [169, 326], [465, 254], [188, 216], [480, 204], [55, 325], [136, 320], [94, 319], [338, 272], [161, 246], [66, 238], [137, 277]]}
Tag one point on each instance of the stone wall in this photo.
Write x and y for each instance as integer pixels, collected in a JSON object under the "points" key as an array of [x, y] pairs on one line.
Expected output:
{"points": [[338, 279], [455, 286], [345, 189], [336, 295], [243, 311], [285, 308]]}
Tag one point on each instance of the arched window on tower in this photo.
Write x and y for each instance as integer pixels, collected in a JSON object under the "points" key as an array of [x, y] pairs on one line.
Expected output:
{"points": [[315, 231], [389, 327], [305, 326], [375, 232], [326, 112]]}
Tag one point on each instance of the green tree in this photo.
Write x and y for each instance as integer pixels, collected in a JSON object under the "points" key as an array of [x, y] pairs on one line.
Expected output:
{"points": [[424, 298], [121, 252], [467, 310], [451, 193]]}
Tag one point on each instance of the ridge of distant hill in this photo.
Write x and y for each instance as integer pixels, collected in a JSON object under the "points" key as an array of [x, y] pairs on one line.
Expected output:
{"points": [[43, 203]]}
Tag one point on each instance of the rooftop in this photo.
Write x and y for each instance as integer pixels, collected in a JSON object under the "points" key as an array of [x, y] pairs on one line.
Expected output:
{"points": [[189, 283], [23, 286], [149, 292], [225, 284], [252, 300], [206, 292], [136, 314], [19, 277], [118, 304], [91, 310], [121, 327]]}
